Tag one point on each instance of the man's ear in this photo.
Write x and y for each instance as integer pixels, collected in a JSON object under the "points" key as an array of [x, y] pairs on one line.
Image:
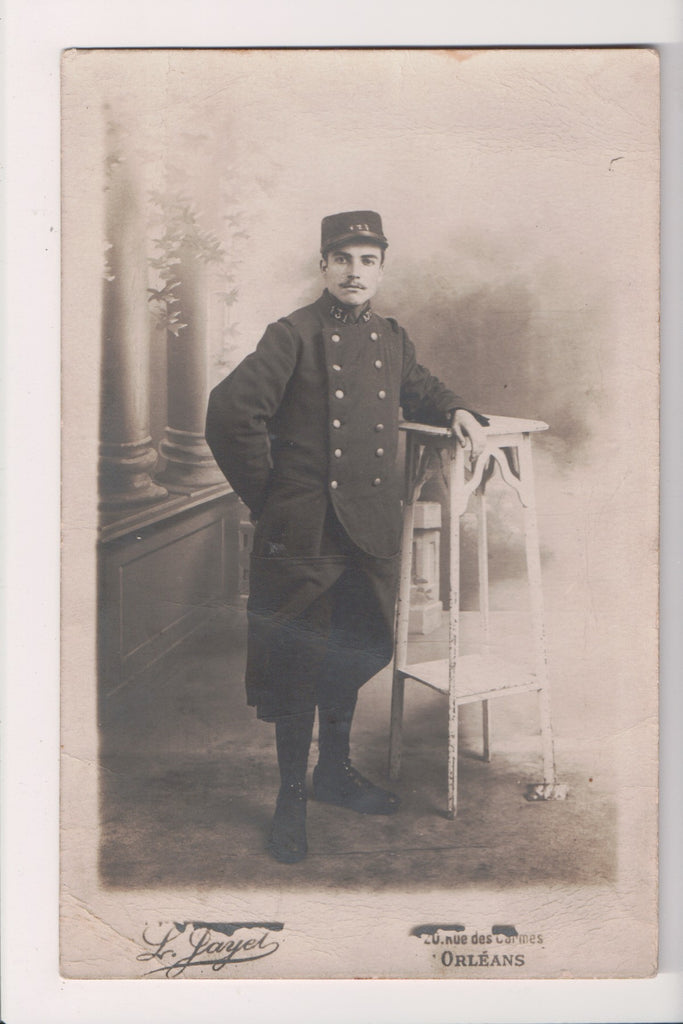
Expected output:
{"points": [[323, 264]]}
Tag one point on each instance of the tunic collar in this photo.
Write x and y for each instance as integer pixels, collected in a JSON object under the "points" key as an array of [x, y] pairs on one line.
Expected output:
{"points": [[346, 314]]}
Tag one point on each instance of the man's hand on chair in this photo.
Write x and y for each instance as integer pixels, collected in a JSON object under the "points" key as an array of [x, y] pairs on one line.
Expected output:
{"points": [[469, 431]]}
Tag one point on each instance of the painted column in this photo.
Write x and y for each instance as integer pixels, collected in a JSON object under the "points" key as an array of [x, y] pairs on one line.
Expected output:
{"points": [[189, 462], [127, 455]]}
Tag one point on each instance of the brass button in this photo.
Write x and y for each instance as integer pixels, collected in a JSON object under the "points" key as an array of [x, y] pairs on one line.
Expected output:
{"points": [[379, 452], [374, 335], [377, 481], [336, 366], [334, 484], [337, 453], [336, 337], [336, 424], [339, 393], [378, 364], [381, 394], [379, 427]]}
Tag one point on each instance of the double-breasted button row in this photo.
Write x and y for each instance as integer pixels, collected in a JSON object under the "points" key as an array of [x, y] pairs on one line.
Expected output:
{"points": [[334, 484], [381, 394], [340, 393], [378, 364], [374, 336]]}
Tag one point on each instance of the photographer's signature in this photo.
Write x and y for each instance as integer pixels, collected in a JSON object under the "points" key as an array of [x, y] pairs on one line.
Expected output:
{"points": [[178, 946]]}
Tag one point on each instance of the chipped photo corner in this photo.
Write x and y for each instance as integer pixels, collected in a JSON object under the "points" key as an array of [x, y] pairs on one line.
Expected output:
{"points": [[360, 513]]}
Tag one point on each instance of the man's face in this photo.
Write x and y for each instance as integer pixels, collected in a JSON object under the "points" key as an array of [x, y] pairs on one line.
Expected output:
{"points": [[353, 272]]}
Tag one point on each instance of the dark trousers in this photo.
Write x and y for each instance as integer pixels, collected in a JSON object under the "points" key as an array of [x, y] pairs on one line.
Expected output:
{"points": [[324, 655], [320, 627]]}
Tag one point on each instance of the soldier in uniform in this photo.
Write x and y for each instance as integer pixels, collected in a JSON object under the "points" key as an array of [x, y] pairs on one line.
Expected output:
{"points": [[305, 429]]}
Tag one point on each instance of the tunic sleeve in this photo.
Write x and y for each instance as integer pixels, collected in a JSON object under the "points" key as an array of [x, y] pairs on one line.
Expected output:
{"points": [[424, 398], [240, 408]]}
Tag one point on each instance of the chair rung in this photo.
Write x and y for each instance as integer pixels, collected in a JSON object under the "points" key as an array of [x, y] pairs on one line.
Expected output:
{"points": [[478, 677]]}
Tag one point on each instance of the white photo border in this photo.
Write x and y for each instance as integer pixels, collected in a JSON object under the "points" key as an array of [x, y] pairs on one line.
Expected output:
{"points": [[34, 36]]}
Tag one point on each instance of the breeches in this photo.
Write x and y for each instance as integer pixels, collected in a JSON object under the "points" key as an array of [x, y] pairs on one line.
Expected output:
{"points": [[318, 629]]}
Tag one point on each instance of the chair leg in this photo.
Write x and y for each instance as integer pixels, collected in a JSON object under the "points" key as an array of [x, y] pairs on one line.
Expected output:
{"points": [[546, 737], [456, 483], [452, 759], [550, 788], [486, 729], [396, 727], [483, 565], [403, 615], [533, 560]]}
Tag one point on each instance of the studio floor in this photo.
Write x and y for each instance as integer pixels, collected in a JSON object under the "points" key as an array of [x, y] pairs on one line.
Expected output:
{"points": [[189, 777]]}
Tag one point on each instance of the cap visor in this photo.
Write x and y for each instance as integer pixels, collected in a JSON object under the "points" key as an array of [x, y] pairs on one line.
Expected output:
{"points": [[356, 236]]}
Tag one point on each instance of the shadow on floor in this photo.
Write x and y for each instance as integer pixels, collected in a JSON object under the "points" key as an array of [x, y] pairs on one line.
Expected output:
{"points": [[189, 776]]}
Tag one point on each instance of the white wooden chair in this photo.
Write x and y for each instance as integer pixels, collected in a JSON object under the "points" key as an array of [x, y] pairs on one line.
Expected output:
{"points": [[481, 676]]}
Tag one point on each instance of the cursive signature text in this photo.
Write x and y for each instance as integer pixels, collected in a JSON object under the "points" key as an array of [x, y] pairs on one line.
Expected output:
{"points": [[175, 947]]}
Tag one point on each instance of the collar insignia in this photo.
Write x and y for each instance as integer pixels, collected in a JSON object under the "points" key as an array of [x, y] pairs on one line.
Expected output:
{"points": [[346, 316]]}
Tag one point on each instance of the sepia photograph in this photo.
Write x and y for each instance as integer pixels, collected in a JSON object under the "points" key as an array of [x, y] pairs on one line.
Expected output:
{"points": [[359, 580]]}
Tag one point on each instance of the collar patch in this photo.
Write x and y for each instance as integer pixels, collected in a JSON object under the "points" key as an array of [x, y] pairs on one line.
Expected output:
{"points": [[345, 315]]}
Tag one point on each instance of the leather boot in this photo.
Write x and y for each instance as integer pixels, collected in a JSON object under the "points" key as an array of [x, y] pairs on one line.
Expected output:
{"points": [[287, 840], [335, 780]]}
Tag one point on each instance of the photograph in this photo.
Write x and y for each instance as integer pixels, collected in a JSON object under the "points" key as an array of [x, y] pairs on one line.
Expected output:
{"points": [[359, 513]]}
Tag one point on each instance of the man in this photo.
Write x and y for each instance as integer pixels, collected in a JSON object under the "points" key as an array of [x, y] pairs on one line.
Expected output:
{"points": [[306, 431]]}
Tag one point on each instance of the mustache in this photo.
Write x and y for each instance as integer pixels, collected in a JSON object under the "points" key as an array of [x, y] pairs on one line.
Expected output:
{"points": [[353, 284]]}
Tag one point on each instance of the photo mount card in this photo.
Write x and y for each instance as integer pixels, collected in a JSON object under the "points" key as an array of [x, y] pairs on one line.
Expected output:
{"points": [[519, 193]]}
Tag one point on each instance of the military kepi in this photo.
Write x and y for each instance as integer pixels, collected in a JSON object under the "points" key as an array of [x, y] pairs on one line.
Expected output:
{"points": [[356, 226]]}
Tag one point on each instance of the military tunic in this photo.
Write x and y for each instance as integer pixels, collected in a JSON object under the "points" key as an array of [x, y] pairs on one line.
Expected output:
{"points": [[306, 431]]}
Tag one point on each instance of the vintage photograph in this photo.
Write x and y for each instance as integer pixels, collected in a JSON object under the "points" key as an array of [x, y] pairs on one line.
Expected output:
{"points": [[359, 513]]}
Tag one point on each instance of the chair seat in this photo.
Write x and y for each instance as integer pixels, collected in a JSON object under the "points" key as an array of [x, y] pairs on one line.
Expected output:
{"points": [[478, 677]]}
